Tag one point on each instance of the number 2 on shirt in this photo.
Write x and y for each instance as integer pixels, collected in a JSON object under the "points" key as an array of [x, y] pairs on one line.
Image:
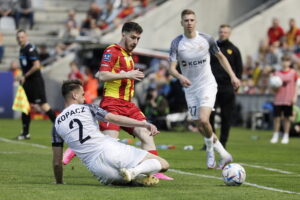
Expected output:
{"points": [[81, 140]]}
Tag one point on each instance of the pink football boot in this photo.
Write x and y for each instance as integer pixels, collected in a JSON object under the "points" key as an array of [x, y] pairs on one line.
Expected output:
{"points": [[68, 156], [163, 177]]}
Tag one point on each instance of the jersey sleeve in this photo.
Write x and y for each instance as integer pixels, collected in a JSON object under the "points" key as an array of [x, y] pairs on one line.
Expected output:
{"points": [[32, 53], [57, 141], [108, 60], [173, 54], [98, 112], [213, 47]]}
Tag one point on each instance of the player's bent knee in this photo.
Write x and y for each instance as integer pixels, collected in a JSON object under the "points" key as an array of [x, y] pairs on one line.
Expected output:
{"points": [[164, 165], [144, 136], [203, 123]]}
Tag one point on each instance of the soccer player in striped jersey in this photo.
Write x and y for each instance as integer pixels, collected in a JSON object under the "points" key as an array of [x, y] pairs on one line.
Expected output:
{"points": [[191, 51], [118, 74]]}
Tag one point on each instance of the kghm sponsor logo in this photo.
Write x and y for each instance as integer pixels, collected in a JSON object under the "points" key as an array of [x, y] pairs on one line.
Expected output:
{"points": [[193, 63]]}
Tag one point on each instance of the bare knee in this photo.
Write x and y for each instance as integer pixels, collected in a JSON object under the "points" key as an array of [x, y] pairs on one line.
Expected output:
{"points": [[205, 127], [145, 138], [164, 165], [204, 122]]}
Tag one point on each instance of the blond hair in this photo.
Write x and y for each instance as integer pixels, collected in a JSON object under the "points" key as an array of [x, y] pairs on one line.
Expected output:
{"points": [[187, 12]]}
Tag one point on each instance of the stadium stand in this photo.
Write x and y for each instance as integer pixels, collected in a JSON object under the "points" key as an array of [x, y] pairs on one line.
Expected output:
{"points": [[51, 17]]}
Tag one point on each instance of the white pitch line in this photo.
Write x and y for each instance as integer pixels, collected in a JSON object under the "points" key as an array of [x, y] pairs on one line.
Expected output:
{"points": [[23, 143], [246, 183], [269, 169], [186, 173], [280, 163]]}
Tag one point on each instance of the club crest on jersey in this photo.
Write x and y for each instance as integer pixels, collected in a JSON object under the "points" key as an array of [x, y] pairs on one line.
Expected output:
{"points": [[229, 51], [107, 56]]}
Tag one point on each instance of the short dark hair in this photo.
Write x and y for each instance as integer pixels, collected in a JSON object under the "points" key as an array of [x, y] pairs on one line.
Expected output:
{"points": [[225, 26], [187, 12], [21, 31], [132, 27], [70, 85]]}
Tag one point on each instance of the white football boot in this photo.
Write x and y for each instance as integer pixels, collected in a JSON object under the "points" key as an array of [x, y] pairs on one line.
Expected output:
{"points": [[23, 137], [224, 161], [285, 139], [275, 138], [210, 160]]}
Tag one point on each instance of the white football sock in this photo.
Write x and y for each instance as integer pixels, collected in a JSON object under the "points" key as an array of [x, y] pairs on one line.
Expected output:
{"points": [[148, 167], [286, 135], [209, 143], [218, 147], [276, 134]]}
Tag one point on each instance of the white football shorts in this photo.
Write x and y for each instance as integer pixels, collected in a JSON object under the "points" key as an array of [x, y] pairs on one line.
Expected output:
{"points": [[203, 97], [115, 156]]}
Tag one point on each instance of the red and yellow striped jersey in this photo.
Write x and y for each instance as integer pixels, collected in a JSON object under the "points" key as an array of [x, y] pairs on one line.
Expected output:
{"points": [[115, 59]]}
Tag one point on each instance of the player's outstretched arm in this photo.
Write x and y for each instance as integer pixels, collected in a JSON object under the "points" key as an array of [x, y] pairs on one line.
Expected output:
{"points": [[109, 76], [57, 164], [226, 65], [185, 82], [129, 122]]}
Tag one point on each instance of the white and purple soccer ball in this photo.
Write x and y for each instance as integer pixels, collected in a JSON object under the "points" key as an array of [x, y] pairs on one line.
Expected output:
{"points": [[275, 82], [234, 174]]}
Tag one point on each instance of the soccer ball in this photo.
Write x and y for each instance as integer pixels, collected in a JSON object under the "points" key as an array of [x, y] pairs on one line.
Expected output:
{"points": [[275, 82], [234, 174]]}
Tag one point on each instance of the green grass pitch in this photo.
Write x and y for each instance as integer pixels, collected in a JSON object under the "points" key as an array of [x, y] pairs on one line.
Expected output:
{"points": [[273, 170]]}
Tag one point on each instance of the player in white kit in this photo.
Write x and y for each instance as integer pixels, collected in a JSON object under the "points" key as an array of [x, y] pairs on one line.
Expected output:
{"points": [[109, 160], [191, 51]]}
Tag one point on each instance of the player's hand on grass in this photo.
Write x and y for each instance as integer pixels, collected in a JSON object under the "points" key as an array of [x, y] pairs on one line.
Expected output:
{"points": [[153, 130], [135, 75]]}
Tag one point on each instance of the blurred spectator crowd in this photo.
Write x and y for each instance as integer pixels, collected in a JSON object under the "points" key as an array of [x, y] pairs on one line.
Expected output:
{"points": [[13, 11], [258, 68], [102, 16], [159, 94]]}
